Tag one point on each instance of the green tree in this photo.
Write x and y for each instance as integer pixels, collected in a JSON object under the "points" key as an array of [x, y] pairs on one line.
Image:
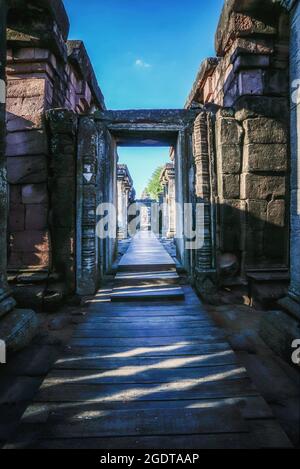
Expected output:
{"points": [[154, 186]]}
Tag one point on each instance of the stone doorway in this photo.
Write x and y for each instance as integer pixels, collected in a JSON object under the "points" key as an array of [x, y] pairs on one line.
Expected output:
{"points": [[99, 137]]}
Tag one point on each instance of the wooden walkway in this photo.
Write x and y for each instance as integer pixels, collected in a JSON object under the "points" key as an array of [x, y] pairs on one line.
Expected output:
{"points": [[153, 373]]}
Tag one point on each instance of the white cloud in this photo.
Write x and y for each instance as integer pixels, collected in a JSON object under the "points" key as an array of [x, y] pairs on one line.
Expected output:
{"points": [[141, 64]]}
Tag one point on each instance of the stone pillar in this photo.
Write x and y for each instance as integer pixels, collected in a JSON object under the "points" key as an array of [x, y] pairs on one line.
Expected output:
{"points": [[171, 203], [6, 302], [167, 180], [124, 188], [295, 158], [120, 207], [292, 302]]}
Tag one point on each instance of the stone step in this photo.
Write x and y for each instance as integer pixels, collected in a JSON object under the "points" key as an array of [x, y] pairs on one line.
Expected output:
{"points": [[147, 294], [146, 278]]}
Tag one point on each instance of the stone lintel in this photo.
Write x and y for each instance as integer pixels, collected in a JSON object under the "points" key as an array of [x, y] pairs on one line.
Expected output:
{"points": [[148, 116]]}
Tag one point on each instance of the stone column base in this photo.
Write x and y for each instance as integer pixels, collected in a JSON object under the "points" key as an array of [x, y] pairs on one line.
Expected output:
{"points": [[18, 328], [7, 303], [206, 283], [278, 329], [171, 234], [122, 234]]}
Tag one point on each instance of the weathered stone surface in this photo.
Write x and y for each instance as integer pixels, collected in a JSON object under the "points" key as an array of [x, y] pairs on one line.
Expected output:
{"points": [[230, 186], [62, 121], [36, 217], [26, 169], [279, 330], [7, 305], [265, 157], [29, 295], [54, 296], [291, 306], [20, 107], [264, 130], [32, 277], [230, 158], [18, 328], [35, 360], [229, 131], [26, 88], [251, 82], [254, 246], [256, 213], [32, 142], [248, 61], [17, 123], [15, 197], [230, 212], [77, 54], [34, 194], [233, 24], [31, 241], [230, 240], [276, 213], [261, 106], [254, 186], [160, 116], [276, 82], [16, 218]]}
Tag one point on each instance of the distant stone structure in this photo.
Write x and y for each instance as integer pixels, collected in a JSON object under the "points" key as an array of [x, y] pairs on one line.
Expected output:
{"points": [[167, 201], [145, 208], [126, 196]]}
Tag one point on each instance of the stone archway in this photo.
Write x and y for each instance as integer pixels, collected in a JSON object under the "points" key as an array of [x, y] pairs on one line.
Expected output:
{"points": [[98, 138]]}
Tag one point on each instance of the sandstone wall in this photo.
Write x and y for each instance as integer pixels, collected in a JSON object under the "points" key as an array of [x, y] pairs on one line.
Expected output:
{"points": [[44, 71], [246, 88]]}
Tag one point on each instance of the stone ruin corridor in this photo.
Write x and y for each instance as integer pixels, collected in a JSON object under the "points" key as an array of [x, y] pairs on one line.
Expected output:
{"points": [[137, 340]]}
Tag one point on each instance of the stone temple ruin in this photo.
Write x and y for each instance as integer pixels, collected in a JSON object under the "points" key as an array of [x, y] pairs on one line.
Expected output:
{"points": [[234, 149]]}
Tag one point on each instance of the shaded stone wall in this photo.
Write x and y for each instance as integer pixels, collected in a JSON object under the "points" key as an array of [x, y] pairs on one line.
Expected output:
{"points": [[62, 127], [246, 90], [17, 327], [44, 71]]}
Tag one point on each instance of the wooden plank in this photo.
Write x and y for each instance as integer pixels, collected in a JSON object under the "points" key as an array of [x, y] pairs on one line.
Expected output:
{"points": [[144, 341], [131, 392], [253, 407], [149, 332], [148, 294], [219, 441], [138, 374], [149, 422], [94, 362], [132, 316], [158, 351], [144, 321]]}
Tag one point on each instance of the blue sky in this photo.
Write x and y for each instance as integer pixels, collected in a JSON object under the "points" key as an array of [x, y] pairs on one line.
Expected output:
{"points": [[146, 54]]}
